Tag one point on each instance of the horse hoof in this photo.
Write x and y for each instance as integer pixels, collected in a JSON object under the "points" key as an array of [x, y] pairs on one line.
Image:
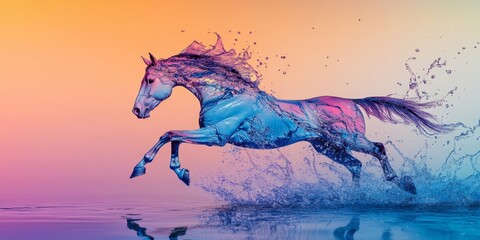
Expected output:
{"points": [[138, 171], [407, 184], [185, 177]]}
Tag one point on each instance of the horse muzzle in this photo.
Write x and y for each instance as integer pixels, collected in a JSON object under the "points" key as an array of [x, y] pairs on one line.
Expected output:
{"points": [[141, 113]]}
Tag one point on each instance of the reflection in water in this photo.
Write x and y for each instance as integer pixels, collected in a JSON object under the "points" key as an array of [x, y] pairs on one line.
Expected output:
{"points": [[251, 222], [346, 233], [239, 222], [259, 222], [142, 231], [178, 231], [387, 235]]}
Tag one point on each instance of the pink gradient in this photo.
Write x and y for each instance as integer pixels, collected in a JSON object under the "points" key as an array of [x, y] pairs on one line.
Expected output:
{"points": [[70, 74]]}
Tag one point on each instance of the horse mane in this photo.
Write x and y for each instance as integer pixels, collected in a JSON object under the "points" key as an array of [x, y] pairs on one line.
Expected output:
{"points": [[239, 72]]}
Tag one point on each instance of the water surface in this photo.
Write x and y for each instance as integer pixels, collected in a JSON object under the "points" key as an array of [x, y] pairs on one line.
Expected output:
{"points": [[194, 220]]}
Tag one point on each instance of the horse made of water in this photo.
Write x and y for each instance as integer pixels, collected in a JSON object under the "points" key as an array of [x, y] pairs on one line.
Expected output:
{"points": [[235, 111]]}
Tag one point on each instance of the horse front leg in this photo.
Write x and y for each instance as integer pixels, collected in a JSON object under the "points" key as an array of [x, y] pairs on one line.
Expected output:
{"points": [[140, 169], [182, 173], [206, 136], [209, 135]]}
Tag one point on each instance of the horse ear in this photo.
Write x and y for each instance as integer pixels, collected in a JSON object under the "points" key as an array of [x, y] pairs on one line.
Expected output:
{"points": [[152, 58], [146, 61]]}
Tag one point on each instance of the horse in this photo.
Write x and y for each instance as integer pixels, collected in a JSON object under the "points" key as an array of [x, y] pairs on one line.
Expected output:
{"points": [[235, 111]]}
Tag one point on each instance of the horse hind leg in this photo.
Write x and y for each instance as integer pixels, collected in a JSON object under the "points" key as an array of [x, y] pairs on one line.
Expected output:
{"points": [[377, 150], [340, 155]]}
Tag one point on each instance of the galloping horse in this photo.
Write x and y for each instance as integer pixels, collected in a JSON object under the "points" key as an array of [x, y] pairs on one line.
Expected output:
{"points": [[235, 111]]}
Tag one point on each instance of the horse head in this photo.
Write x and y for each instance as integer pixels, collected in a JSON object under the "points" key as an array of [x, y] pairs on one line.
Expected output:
{"points": [[155, 87]]}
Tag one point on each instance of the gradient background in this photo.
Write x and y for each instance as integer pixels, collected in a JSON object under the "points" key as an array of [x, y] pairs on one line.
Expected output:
{"points": [[69, 74]]}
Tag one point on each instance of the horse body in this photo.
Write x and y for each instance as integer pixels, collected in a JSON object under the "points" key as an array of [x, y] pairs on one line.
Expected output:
{"points": [[268, 125], [274, 123], [235, 111]]}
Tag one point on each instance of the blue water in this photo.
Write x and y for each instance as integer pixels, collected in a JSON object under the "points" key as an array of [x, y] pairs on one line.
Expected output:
{"points": [[193, 220]]}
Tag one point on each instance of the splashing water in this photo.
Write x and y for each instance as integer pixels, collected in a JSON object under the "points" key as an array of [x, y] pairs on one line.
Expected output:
{"points": [[235, 111], [271, 178]]}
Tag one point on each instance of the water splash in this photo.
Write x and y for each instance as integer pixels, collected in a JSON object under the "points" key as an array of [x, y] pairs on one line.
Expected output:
{"points": [[229, 59], [272, 179], [425, 77], [235, 111]]}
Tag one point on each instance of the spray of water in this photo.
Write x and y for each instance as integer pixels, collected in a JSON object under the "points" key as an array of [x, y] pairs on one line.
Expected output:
{"points": [[271, 178]]}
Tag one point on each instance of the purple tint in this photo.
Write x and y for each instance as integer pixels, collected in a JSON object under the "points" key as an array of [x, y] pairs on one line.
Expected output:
{"points": [[235, 111]]}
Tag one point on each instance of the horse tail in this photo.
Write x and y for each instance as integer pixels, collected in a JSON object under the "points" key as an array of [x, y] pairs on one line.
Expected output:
{"points": [[384, 108]]}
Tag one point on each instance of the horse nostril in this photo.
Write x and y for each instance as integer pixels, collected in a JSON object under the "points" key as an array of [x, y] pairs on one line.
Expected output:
{"points": [[136, 111], [147, 110]]}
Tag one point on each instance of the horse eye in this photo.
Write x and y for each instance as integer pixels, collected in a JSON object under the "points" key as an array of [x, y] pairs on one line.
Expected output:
{"points": [[150, 81]]}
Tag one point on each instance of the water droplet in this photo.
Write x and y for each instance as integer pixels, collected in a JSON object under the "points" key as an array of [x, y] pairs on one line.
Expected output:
{"points": [[284, 72], [458, 52], [283, 57], [448, 71], [250, 32], [417, 50], [433, 76], [238, 32], [463, 48], [359, 19], [254, 43]]}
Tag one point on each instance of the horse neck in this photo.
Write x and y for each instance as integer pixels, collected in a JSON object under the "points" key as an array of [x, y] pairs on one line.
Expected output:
{"points": [[204, 89]]}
